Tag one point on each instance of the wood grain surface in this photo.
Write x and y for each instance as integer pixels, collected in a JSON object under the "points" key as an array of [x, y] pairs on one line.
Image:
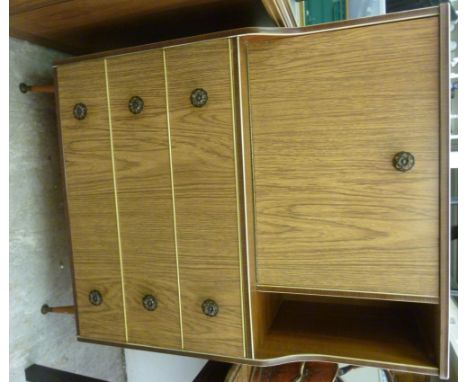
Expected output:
{"points": [[205, 196], [386, 335], [406, 377], [261, 33], [144, 193], [245, 228], [262, 306], [318, 120], [86, 26], [329, 111], [18, 6], [445, 226], [90, 196]]}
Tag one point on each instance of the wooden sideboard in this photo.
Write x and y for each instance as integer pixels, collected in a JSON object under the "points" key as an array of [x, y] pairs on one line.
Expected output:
{"points": [[265, 196]]}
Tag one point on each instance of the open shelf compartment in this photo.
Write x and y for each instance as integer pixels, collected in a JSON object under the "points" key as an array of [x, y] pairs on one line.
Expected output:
{"points": [[364, 332]]}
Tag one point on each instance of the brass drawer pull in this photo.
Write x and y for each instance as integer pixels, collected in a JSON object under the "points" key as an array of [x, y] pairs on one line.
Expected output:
{"points": [[403, 161], [79, 111], [95, 297], [150, 303], [199, 97], [135, 105], [210, 308]]}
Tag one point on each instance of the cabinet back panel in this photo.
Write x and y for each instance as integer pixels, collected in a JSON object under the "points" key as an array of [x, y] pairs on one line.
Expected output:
{"points": [[329, 111], [205, 196], [143, 182], [91, 202]]}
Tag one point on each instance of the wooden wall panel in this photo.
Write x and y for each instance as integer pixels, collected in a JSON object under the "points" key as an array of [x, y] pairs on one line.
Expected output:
{"points": [[87, 26], [329, 111], [90, 196], [205, 196], [143, 181], [18, 6]]}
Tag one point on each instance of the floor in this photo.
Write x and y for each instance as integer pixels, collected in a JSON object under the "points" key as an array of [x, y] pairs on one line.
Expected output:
{"points": [[144, 366], [39, 251]]}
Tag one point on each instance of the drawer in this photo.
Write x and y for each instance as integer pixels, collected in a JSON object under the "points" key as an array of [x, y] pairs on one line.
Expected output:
{"points": [[205, 198], [137, 101], [329, 113], [86, 149]]}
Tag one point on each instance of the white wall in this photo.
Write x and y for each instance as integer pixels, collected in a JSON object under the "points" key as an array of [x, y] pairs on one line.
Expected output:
{"points": [[144, 366]]}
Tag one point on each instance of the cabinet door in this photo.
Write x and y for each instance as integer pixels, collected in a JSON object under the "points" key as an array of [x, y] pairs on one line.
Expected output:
{"points": [[206, 205], [329, 112], [144, 193], [89, 184]]}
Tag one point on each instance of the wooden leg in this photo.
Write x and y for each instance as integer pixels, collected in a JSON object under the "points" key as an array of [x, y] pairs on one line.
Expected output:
{"points": [[58, 309], [24, 88]]}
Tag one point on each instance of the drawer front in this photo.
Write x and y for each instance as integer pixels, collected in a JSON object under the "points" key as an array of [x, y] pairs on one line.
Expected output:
{"points": [[89, 184], [203, 161], [137, 99], [329, 112]]}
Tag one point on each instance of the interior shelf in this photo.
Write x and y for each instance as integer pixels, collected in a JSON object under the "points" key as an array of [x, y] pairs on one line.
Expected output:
{"points": [[395, 333]]}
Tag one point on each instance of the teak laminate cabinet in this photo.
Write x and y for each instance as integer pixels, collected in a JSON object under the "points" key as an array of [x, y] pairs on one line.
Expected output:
{"points": [[265, 196]]}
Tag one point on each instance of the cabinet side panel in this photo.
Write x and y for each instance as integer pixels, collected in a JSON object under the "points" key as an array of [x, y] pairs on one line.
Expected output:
{"points": [[445, 102], [205, 196], [144, 193], [329, 112], [90, 197]]}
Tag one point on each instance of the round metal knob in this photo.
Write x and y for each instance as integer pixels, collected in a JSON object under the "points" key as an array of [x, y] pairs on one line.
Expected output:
{"points": [[95, 297], [149, 302], [403, 161], [199, 97], [24, 88], [135, 105], [210, 308], [79, 111]]}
